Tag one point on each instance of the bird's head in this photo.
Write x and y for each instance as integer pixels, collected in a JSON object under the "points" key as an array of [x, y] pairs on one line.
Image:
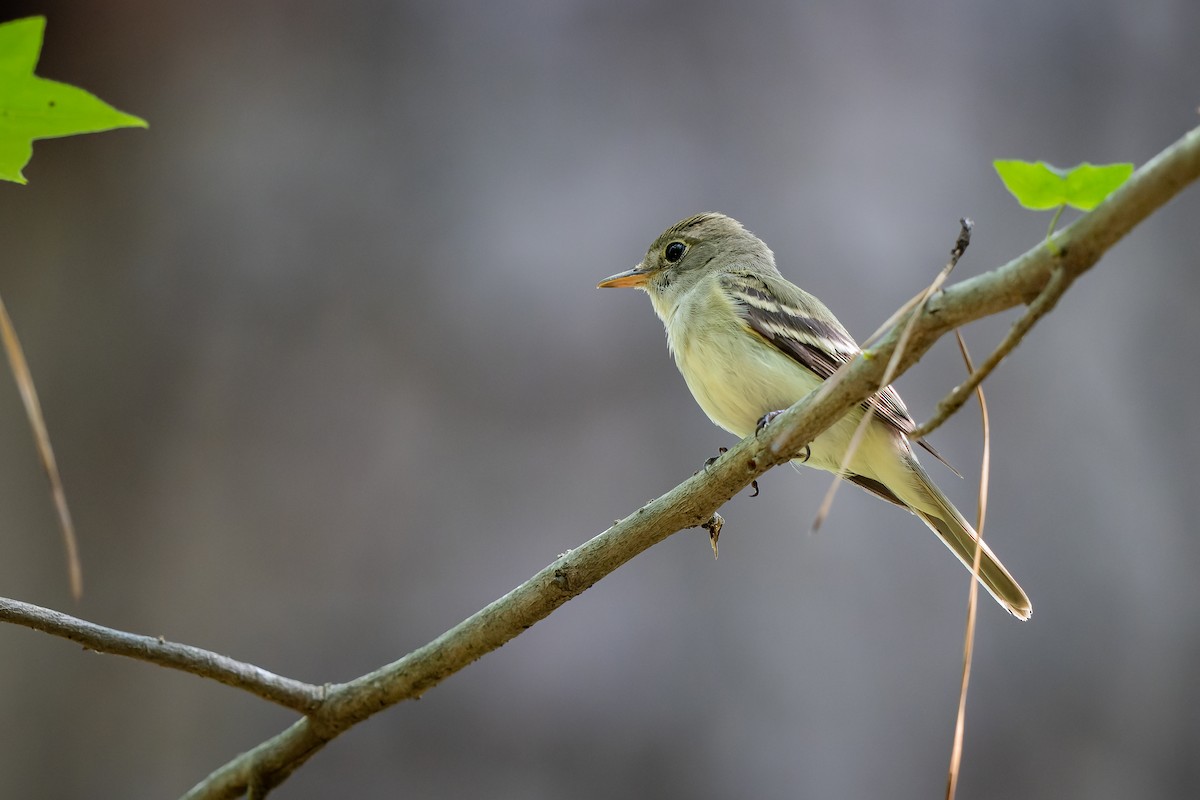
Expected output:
{"points": [[689, 251]]}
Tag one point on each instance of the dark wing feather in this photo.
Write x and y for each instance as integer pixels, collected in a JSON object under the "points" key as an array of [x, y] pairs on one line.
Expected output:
{"points": [[795, 325], [876, 488]]}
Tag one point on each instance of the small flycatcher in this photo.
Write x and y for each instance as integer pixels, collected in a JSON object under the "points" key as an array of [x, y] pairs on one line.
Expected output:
{"points": [[748, 342]]}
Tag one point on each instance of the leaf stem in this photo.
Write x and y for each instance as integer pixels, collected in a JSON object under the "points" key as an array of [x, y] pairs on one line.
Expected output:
{"points": [[1054, 221]]}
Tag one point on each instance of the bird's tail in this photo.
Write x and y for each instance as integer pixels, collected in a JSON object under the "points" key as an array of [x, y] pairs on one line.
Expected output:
{"points": [[945, 520]]}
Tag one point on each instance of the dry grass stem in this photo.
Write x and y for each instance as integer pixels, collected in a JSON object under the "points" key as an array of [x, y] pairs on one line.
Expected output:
{"points": [[41, 437], [911, 307], [973, 592]]}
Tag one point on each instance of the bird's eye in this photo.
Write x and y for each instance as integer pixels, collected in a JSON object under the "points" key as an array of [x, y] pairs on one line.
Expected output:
{"points": [[674, 252]]}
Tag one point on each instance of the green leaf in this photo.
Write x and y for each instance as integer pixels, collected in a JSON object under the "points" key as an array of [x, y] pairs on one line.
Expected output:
{"points": [[1041, 186], [1037, 186], [1088, 184], [35, 108]]}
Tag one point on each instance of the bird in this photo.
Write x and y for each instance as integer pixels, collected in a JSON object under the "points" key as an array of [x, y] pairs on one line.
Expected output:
{"points": [[749, 343]]}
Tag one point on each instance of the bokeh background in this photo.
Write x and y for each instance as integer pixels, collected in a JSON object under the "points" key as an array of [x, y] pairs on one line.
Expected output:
{"points": [[326, 372]]}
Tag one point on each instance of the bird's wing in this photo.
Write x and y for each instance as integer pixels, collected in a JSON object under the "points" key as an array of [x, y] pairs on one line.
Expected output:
{"points": [[802, 328]]}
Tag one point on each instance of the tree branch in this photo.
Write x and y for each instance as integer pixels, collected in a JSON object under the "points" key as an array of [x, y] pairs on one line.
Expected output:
{"points": [[296, 695]]}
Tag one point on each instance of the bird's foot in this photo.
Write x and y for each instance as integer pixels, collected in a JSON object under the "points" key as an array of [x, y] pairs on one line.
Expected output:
{"points": [[709, 462], [765, 420]]}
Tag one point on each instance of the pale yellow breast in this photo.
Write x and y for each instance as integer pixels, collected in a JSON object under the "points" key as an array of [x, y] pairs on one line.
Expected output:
{"points": [[734, 375], [736, 378]]}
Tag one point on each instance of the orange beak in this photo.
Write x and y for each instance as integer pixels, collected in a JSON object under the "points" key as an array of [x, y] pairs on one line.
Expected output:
{"points": [[633, 278]]}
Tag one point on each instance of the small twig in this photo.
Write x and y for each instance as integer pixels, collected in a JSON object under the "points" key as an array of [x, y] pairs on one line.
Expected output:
{"points": [[33, 410], [973, 592], [1045, 302], [960, 246], [966, 225], [293, 694], [897, 315]]}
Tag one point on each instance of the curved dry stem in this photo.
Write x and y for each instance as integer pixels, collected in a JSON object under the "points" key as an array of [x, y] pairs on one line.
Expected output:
{"points": [[960, 720], [960, 247], [41, 437]]}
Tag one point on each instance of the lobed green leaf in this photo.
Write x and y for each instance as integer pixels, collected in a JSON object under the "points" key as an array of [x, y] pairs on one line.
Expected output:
{"points": [[1041, 186], [35, 108]]}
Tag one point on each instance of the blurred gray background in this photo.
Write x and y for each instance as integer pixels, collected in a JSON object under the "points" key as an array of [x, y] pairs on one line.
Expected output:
{"points": [[326, 372]]}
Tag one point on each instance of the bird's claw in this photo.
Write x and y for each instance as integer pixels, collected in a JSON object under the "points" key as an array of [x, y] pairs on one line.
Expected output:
{"points": [[710, 461], [765, 420]]}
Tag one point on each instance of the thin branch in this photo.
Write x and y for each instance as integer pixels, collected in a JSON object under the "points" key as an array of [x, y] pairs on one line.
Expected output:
{"points": [[694, 501], [1045, 302], [965, 226], [960, 246], [293, 694], [41, 437], [960, 721]]}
